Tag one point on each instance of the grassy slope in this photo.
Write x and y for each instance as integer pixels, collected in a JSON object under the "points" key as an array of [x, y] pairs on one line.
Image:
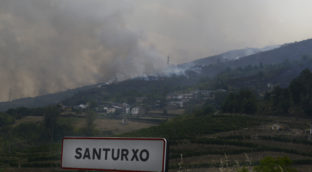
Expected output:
{"points": [[204, 141], [191, 126], [47, 155], [209, 141]]}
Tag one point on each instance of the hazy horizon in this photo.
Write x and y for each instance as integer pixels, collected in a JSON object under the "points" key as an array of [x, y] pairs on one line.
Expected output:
{"points": [[48, 46]]}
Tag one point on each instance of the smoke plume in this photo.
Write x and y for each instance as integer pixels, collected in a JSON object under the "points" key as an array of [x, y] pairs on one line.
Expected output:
{"points": [[52, 45]]}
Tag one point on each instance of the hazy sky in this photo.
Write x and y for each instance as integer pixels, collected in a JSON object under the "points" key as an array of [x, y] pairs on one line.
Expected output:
{"points": [[188, 29], [52, 45]]}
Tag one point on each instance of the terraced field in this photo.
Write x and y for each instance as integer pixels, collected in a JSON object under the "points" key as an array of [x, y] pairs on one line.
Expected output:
{"points": [[199, 143], [243, 145]]}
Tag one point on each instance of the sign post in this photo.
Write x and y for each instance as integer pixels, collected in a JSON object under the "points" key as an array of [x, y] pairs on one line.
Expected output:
{"points": [[114, 154]]}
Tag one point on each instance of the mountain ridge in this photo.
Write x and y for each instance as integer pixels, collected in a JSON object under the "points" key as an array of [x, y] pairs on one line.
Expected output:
{"points": [[285, 53]]}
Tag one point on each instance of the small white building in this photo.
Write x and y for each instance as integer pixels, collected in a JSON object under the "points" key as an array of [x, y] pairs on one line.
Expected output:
{"points": [[179, 104], [83, 106], [127, 110], [109, 110], [135, 111], [276, 127]]}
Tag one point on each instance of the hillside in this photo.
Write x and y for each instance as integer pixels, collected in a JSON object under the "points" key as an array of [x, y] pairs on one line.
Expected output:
{"points": [[201, 139], [230, 56], [285, 54], [193, 75], [204, 141], [227, 141], [44, 100], [256, 72]]}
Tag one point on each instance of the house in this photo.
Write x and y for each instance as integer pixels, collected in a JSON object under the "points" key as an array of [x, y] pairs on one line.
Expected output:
{"points": [[109, 110], [80, 107], [176, 104], [127, 110], [125, 105], [135, 110], [276, 127], [83, 106]]}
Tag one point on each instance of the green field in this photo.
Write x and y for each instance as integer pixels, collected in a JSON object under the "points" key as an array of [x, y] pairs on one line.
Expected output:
{"points": [[206, 142], [231, 141]]}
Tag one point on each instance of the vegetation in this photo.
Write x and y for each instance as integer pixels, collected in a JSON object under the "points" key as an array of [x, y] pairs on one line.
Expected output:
{"points": [[184, 127], [296, 99], [270, 164], [242, 102], [194, 134], [89, 128], [6, 119]]}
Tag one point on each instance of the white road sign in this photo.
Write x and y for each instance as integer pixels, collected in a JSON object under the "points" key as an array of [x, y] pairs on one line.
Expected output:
{"points": [[114, 154]]}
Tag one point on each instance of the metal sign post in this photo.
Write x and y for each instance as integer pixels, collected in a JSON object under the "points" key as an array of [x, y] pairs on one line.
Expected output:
{"points": [[114, 154]]}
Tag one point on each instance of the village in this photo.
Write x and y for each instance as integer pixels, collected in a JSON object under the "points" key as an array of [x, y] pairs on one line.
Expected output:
{"points": [[174, 104]]}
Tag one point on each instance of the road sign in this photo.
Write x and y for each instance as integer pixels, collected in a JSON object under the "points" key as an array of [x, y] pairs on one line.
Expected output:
{"points": [[114, 154]]}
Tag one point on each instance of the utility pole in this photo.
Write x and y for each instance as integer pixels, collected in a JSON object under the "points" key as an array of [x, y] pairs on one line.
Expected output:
{"points": [[10, 95], [311, 128], [168, 60]]}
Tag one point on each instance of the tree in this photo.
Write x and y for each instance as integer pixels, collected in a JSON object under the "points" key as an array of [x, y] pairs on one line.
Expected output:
{"points": [[50, 121], [206, 109], [279, 100], [6, 119], [301, 91], [90, 118], [296, 99], [242, 102]]}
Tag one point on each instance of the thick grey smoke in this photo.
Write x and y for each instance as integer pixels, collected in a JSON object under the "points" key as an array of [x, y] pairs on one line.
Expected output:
{"points": [[52, 45], [189, 29]]}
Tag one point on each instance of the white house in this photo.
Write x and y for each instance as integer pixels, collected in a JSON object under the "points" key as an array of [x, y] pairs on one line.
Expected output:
{"points": [[135, 111], [109, 110], [127, 110], [83, 106], [276, 127]]}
